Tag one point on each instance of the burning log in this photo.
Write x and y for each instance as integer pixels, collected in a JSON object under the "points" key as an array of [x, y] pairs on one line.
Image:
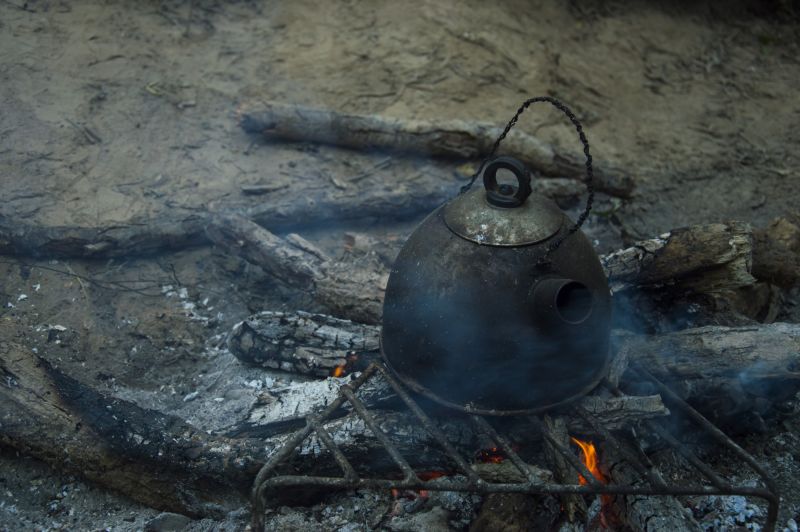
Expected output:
{"points": [[304, 343], [354, 293], [444, 138], [556, 430], [755, 365], [727, 372]]}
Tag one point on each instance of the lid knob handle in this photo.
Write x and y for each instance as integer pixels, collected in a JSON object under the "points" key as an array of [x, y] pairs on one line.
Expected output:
{"points": [[504, 195]]}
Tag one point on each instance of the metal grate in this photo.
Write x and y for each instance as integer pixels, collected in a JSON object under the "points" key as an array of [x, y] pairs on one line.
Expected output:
{"points": [[655, 486]]}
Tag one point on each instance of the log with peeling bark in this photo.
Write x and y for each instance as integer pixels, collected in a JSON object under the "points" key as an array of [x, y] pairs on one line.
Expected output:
{"points": [[700, 258], [163, 462], [733, 375], [443, 138], [346, 291]]}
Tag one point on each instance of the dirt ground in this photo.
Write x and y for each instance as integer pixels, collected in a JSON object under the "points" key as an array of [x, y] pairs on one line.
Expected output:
{"points": [[124, 113]]}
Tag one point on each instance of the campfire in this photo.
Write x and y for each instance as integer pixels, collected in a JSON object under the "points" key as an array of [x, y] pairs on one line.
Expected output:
{"points": [[372, 412]]}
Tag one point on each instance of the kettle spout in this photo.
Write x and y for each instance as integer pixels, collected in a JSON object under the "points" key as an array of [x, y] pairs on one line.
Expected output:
{"points": [[562, 301]]}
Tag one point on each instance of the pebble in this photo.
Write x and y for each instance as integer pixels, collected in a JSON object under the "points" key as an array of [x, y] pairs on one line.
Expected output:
{"points": [[191, 397], [167, 522]]}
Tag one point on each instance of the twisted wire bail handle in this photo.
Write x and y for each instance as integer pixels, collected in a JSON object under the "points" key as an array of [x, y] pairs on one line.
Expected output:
{"points": [[589, 170]]}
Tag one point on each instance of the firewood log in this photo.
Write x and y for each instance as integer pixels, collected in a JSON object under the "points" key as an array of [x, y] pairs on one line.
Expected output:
{"points": [[408, 196], [700, 259], [447, 138], [753, 365], [163, 462]]}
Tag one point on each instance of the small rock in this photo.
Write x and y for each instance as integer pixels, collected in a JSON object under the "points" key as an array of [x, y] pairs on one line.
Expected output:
{"points": [[167, 522], [191, 397]]}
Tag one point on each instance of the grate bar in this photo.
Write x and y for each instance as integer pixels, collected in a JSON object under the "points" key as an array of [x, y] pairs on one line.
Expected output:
{"points": [[325, 436], [431, 427], [364, 414], [486, 427], [697, 417]]}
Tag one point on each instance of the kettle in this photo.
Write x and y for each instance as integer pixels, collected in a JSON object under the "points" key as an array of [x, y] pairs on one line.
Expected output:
{"points": [[497, 304]]}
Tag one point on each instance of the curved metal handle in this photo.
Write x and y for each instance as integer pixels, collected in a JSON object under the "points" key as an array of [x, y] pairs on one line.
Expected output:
{"points": [[506, 195], [543, 261]]}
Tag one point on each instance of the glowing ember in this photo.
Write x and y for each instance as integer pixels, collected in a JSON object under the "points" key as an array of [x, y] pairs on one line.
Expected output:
{"points": [[422, 494], [492, 455], [342, 369], [590, 461], [430, 475]]}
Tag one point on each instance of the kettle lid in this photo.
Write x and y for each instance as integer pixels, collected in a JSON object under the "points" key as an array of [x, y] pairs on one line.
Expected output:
{"points": [[502, 214]]}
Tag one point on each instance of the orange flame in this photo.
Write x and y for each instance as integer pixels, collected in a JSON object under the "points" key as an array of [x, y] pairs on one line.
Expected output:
{"points": [[589, 460], [340, 370]]}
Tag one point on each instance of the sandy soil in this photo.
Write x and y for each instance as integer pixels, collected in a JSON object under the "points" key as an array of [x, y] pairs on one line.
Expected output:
{"points": [[124, 113]]}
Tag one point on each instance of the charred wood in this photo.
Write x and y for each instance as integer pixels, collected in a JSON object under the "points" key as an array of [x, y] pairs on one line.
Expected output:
{"points": [[155, 459], [574, 505], [725, 372], [167, 464], [644, 513], [443, 138]]}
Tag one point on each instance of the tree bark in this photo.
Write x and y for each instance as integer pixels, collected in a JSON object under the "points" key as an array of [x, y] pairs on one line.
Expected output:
{"points": [[700, 258], [443, 138], [644, 513]]}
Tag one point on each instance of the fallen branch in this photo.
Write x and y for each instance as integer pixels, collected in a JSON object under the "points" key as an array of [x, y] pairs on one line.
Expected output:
{"points": [[348, 292], [443, 138]]}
